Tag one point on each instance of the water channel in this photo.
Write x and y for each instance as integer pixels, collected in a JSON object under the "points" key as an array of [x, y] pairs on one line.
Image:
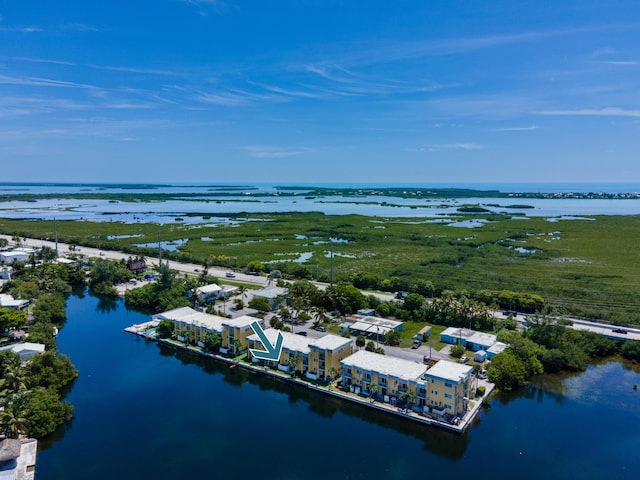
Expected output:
{"points": [[147, 411]]}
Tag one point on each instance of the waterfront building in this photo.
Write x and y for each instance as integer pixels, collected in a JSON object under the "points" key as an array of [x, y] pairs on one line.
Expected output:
{"points": [[449, 387], [295, 348], [315, 358], [388, 377], [198, 323], [326, 354], [7, 301], [235, 332], [443, 389], [25, 350]]}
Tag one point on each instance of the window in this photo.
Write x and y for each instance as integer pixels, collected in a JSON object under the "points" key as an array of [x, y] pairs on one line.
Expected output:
{"points": [[448, 385], [447, 395]]}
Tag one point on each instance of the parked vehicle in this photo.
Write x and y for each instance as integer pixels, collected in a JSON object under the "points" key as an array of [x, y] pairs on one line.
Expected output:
{"points": [[619, 330], [321, 329], [230, 275], [302, 332], [416, 344], [464, 359]]}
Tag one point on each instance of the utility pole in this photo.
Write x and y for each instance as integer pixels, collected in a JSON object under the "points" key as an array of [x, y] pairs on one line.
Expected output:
{"points": [[159, 249], [55, 233], [331, 261]]}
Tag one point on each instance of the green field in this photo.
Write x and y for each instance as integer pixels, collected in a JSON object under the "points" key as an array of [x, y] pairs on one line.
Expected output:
{"points": [[588, 267]]}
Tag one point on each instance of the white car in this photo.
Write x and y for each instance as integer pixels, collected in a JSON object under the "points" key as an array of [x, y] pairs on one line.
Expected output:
{"points": [[464, 359], [230, 275]]}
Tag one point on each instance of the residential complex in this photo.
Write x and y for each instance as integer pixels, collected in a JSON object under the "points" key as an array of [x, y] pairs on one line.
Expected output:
{"points": [[443, 389], [233, 332], [315, 358]]}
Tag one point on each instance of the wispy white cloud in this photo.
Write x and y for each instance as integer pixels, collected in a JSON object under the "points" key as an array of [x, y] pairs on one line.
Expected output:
{"points": [[621, 62], [287, 92], [28, 29], [603, 52], [345, 82], [40, 82], [81, 27], [235, 97], [385, 51], [215, 3], [33, 104], [266, 151], [515, 129], [37, 60], [592, 112], [133, 70], [128, 106], [446, 146], [203, 6]]}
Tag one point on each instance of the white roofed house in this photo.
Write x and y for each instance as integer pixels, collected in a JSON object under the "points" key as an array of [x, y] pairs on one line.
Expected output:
{"points": [[276, 296], [14, 256], [7, 301], [211, 293], [26, 350]]}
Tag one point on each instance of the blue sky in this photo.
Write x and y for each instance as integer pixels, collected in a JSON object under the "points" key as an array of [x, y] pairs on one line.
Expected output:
{"points": [[320, 91]]}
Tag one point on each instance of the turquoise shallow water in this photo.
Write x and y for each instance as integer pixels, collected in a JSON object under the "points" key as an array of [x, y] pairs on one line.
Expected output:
{"points": [[147, 411]]}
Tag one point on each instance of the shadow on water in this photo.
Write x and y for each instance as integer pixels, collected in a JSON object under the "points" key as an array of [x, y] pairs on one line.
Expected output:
{"points": [[106, 304], [438, 441]]}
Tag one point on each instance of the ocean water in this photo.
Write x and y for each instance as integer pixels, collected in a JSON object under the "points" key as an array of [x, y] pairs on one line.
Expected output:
{"points": [[238, 199], [148, 411]]}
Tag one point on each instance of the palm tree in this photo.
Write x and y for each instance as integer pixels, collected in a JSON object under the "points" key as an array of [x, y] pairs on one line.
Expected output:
{"points": [[320, 315], [237, 344], [373, 388], [293, 362], [242, 290], [14, 379], [193, 296], [333, 372], [188, 336], [13, 421]]}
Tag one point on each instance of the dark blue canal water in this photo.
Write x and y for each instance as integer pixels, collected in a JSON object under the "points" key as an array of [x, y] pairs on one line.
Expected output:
{"points": [[144, 411]]}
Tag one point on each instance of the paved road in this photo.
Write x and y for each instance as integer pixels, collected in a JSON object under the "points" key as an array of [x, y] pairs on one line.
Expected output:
{"points": [[189, 268]]}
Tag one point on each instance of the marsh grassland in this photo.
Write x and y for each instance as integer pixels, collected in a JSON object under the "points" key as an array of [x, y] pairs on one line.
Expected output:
{"points": [[588, 267]]}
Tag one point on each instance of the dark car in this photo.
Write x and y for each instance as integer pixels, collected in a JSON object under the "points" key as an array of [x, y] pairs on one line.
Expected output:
{"points": [[415, 345], [619, 330], [302, 332]]}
